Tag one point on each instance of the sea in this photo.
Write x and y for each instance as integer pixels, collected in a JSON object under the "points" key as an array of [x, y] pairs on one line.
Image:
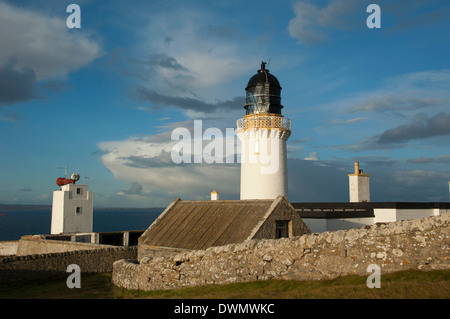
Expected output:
{"points": [[18, 222]]}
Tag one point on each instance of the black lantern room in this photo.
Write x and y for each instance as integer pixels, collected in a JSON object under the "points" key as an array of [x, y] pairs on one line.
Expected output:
{"points": [[263, 93]]}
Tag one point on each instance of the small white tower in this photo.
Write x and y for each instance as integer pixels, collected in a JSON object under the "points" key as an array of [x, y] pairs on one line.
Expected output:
{"points": [[72, 210], [263, 133], [359, 185]]}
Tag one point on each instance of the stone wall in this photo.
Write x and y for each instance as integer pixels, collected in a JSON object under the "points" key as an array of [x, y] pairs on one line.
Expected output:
{"points": [[413, 244], [158, 251], [8, 247], [54, 265], [34, 245]]}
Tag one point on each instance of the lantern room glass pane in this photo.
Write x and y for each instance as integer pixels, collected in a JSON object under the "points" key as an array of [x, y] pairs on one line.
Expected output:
{"points": [[259, 100]]}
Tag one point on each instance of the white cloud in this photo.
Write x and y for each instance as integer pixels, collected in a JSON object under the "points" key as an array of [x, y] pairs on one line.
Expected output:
{"points": [[303, 26], [146, 163], [154, 180], [403, 108], [312, 157], [312, 23], [206, 55], [416, 176], [43, 42], [404, 93], [349, 121]]}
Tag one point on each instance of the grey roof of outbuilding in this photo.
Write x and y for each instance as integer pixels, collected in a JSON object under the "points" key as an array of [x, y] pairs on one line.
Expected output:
{"points": [[203, 224]]}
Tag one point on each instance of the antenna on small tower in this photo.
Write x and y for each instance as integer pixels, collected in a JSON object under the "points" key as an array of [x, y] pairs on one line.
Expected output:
{"points": [[66, 170], [85, 177]]}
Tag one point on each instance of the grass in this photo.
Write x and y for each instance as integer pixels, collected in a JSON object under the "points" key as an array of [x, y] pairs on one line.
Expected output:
{"points": [[410, 284]]}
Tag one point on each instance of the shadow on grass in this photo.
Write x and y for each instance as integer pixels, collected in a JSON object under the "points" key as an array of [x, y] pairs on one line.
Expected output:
{"points": [[410, 284]]}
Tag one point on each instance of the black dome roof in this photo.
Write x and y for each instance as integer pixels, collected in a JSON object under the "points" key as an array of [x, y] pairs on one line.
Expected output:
{"points": [[263, 93], [263, 77]]}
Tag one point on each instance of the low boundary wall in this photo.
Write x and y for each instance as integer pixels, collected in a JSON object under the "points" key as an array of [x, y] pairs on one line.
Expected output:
{"points": [[8, 247], [54, 265], [413, 244], [34, 245]]}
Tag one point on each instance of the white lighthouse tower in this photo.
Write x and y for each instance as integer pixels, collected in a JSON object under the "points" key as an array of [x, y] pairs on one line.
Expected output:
{"points": [[263, 133], [72, 209]]}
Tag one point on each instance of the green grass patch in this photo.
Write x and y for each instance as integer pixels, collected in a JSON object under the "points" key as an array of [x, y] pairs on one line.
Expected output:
{"points": [[410, 284]]}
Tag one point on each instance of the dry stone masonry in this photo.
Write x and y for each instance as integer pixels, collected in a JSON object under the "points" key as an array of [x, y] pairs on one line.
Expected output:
{"points": [[54, 265], [412, 244]]}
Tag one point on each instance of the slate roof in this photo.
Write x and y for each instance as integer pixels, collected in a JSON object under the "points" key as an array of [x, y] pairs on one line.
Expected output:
{"points": [[203, 224]]}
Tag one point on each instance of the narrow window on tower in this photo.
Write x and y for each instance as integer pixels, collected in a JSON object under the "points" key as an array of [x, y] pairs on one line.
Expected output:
{"points": [[256, 147], [78, 211], [79, 191]]}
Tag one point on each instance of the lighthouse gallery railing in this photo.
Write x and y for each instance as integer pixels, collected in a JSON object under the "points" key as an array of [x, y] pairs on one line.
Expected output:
{"points": [[263, 122]]}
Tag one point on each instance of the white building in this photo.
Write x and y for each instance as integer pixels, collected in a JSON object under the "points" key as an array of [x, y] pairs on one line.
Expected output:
{"points": [[360, 212], [263, 133], [214, 195], [321, 217], [359, 186], [72, 210]]}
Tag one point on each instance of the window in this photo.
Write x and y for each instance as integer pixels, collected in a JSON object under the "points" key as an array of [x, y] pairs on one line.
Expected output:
{"points": [[282, 229], [256, 147], [79, 191], [78, 211]]}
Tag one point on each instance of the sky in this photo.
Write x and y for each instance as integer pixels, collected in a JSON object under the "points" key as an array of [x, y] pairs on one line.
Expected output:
{"points": [[104, 99]]}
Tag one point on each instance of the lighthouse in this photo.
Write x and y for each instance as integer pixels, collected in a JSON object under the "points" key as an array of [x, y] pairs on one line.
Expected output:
{"points": [[72, 208], [263, 133]]}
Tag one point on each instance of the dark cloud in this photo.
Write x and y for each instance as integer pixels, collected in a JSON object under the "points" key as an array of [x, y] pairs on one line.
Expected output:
{"points": [[162, 160], [327, 181], [349, 121], [313, 23], [25, 189], [393, 102], [221, 32], [54, 85], [420, 127], [168, 40], [21, 85], [12, 117], [416, 14], [16, 85], [377, 161], [135, 189], [317, 181], [186, 103], [445, 159], [162, 60], [371, 143]]}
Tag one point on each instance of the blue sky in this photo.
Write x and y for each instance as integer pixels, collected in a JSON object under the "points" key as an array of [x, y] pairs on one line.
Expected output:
{"points": [[104, 99]]}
